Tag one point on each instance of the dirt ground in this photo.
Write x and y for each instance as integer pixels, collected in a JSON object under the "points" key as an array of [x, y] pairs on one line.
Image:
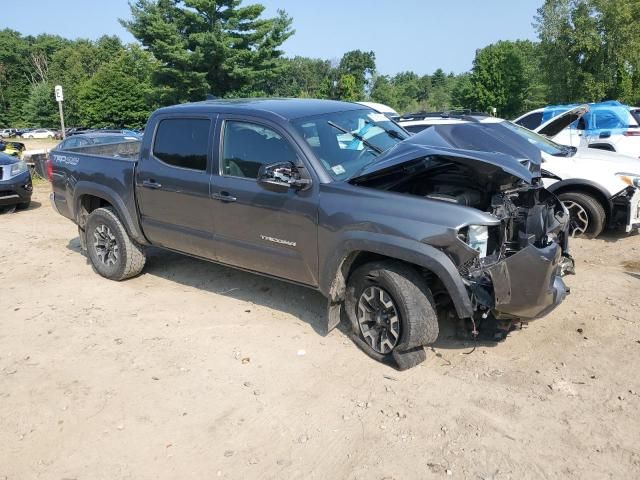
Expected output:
{"points": [[193, 370]]}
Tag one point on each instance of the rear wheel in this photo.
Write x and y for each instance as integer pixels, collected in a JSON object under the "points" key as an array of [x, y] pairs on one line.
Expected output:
{"points": [[587, 215], [112, 252], [391, 312]]}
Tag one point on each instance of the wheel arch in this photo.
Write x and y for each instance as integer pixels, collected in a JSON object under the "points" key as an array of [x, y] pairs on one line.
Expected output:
{"points": [[88, 197], [587, 187], [358, 251]]}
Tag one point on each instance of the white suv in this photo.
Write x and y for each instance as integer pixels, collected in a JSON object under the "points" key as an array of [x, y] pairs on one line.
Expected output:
{"points": [[599, 188], [606, 126]]}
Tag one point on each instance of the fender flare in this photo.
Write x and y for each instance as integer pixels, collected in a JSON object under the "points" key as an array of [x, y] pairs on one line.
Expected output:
{"points": [[333, 275], [580, 183], [87, 188]]}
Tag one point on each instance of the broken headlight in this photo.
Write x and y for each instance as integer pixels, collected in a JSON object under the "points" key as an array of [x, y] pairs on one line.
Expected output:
{"points": [[631, 179], [477, 237]]}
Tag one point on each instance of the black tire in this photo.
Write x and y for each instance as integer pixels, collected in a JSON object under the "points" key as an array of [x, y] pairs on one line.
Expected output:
{"points": [[24, 205], [595, 214], [122, 258], [412, 300]]}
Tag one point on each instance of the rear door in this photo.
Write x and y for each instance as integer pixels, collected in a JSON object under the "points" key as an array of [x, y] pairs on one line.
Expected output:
{"points": [[172, 185], [255, 228]]}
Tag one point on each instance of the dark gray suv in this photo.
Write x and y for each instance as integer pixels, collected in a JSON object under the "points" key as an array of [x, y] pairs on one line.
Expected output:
{"points": [[333, 196]]}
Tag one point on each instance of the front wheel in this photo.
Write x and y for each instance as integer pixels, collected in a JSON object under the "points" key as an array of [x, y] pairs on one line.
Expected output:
{"points": [[587, 215], [112, 252], [391, 312]]}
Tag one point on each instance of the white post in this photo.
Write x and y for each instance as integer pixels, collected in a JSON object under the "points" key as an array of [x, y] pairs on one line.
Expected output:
{"points": [[60, 98]]}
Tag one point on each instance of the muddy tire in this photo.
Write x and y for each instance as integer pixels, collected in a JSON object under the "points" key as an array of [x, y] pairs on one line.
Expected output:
{"points": [[391, 312], [587, 214], [113, 254]]}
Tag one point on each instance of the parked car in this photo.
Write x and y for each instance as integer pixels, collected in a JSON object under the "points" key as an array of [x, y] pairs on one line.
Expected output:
{"points": [[387, 227], [8, 132], [95, 138], [76, 130], [15, 183], [599, 188], [14, 149], [39, 133], [381, 108], [21, 131], [608, 126]]}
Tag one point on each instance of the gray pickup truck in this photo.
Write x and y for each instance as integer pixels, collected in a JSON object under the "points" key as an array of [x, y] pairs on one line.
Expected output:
{"points": [[334, 196]]}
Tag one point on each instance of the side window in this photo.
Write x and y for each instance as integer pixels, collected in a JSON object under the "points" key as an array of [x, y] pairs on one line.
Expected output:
{"points": [[607, 119], [183, 142], [531, 121], [248, 146], [69, 143]]}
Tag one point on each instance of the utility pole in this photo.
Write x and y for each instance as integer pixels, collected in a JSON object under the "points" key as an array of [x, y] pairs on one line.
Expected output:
{"points": [[59, 99]]}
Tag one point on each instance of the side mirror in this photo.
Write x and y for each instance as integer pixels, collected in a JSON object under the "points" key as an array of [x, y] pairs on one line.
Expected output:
{"points": [[280, 177]]}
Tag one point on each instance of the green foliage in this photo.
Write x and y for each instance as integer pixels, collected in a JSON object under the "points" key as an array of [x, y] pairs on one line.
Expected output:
{"points": [[120, 93], [359, 65], [500, 79], [302, 77], [591, 49], [588, 50], [204, 46], [40, 108], [14, 70], [348, 88]]}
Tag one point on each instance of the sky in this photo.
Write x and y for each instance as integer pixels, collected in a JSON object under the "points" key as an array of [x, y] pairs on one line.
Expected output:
{"points": [[417, 35]]}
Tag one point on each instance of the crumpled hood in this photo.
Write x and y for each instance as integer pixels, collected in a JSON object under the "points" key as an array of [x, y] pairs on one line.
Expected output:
{"points": [[498, 154]]}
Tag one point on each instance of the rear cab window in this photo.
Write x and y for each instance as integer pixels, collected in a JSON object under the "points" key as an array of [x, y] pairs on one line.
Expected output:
{"points": [[183, 142]]}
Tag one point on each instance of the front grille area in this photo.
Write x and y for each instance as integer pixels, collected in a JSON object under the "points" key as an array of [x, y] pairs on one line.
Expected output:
{"points": [[7, 193]]}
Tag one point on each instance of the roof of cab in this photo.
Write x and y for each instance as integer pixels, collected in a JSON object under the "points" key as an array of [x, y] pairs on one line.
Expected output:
{"points": [[286, 108]]}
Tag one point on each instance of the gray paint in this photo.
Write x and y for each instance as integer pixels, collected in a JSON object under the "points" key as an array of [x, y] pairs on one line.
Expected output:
{"points": [[327, 223]]}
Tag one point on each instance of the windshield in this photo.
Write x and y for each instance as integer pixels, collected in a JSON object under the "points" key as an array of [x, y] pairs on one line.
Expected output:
{"points": [[543, 143], [346, 142]]}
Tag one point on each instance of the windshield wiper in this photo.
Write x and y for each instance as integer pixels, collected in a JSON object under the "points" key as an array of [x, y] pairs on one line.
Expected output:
{"points": [[367, 143], [388, 131]]}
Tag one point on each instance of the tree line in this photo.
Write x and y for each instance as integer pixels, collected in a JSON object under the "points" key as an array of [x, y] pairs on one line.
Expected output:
{"points": [[588, 50]]}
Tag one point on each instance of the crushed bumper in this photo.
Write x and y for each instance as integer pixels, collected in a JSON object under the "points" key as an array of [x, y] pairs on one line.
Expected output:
{"points": [[626, 210], [528, 284]]}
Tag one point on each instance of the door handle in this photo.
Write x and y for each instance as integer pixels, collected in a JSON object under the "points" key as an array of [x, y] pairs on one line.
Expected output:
{"points": [[223, 197], [151, 184]]}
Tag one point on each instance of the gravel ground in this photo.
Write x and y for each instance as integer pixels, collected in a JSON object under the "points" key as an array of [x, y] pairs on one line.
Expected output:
{"points": [[193, 370]]}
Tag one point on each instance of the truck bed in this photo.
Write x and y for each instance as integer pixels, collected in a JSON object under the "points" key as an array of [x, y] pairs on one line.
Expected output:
{"points": [[129, 150], [105, 170]]}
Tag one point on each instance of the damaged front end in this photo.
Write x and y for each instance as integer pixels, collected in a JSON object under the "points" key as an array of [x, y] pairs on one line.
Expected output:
{"points": [[512, 262], [521, 275]]}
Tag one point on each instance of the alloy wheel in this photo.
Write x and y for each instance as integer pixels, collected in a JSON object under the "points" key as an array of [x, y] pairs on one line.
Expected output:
{"points": [[378, 319], [106, 245], [578, 218]]}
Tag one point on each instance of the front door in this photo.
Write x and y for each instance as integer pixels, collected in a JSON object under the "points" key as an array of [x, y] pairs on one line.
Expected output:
{"points": [[172, 186], [255, 228]]}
